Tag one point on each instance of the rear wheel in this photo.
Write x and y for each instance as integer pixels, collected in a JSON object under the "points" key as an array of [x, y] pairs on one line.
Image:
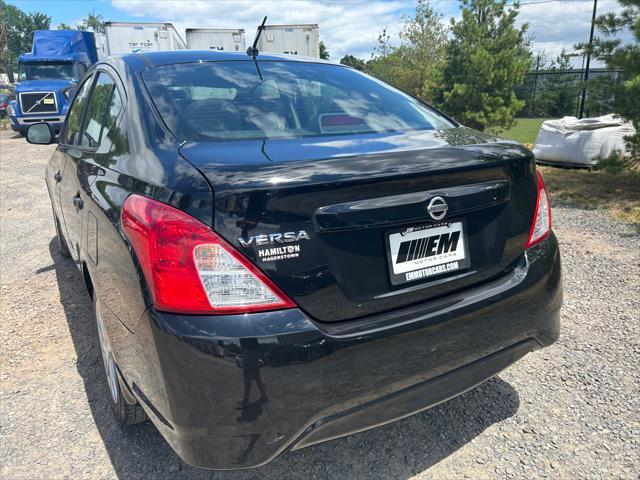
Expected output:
{"points": [[125, 413]]}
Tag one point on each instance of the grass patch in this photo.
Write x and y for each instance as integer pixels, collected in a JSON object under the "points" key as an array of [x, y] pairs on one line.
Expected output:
{"points": [[617, 193], [524, 130]]}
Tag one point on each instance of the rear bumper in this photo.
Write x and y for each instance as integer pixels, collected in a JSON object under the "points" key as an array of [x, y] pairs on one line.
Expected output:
{"points": [[415, 398], [325, 381]]}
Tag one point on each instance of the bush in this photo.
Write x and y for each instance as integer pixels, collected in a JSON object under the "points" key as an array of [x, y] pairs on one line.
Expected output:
{"points": [[616, 163]]}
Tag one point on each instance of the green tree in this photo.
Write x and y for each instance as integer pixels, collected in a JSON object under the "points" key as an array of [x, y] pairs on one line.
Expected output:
{"points": [[422, 50], [487, 59], [354, 62], [414, 65], [553, 91], [324, 53], [94, 22], [386, 60], [562, 89], [624, 57], [38, 21], [19, 27]]}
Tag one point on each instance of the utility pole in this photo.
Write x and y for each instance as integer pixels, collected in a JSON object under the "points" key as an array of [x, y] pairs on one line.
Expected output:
{"points": [[586, 70]]}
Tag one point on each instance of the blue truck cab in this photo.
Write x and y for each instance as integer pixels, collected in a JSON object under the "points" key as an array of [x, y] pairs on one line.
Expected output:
{"points": [[47, 75]]}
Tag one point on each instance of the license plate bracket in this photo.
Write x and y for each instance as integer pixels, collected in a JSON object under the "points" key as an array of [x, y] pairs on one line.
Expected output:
{"points": [[422, 252]]}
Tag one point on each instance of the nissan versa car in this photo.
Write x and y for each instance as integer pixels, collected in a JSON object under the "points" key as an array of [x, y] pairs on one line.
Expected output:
{"points": [[283, 251]]}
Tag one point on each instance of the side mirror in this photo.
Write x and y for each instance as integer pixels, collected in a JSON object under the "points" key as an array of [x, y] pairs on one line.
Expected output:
{"points": [[40, 134], [10, 73]]}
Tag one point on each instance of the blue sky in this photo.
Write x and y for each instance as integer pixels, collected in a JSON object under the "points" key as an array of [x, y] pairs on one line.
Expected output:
{"points": [[350, 26]]}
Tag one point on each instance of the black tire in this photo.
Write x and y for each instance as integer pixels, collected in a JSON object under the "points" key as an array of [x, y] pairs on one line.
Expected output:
{"points": [[63, 249], [126, 413]]}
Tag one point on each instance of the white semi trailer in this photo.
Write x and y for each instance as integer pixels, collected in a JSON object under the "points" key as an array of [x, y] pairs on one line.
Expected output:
{"points": [[224, 39], [291, 39], [132, 37]]}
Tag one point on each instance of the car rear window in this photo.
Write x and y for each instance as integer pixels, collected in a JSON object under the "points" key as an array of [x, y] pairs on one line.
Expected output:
{"points": [[239, 100]]}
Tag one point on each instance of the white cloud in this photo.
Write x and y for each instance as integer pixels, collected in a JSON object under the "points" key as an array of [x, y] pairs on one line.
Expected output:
{"points": [[561, 24], [353, 26]]}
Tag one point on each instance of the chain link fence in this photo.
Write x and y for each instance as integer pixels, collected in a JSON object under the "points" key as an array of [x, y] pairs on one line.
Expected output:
{"points": [[556, 84], [558, 93]]}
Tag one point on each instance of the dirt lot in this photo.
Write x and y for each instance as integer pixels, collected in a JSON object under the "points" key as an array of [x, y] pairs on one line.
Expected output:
{"points": [[569, 411]]}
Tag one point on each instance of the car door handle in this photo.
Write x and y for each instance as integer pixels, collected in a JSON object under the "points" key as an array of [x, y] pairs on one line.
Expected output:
{"points": [[57, 177], [77, 201]]}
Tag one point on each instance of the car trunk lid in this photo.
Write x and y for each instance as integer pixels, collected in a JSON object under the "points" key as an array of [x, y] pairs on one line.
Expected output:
{"points": [[331, 219]]}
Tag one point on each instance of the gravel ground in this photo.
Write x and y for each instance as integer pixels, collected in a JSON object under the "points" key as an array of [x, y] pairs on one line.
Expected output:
{"points": [[568, 411]]}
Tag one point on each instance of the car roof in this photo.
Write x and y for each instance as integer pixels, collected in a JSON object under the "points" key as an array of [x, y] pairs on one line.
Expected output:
{"points": [[153, 59]]}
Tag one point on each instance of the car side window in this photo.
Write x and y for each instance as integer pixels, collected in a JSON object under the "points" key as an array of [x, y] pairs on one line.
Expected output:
{"points": [[97, 111], [110, 120], [115, 106], [74, 116]]}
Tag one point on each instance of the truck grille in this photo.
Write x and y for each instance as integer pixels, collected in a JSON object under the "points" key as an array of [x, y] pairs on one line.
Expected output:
{"points": [[38, 102]]}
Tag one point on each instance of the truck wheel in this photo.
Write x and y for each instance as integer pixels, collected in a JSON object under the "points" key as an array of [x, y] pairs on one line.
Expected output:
{"points": [[125, 413], [63, 249]]}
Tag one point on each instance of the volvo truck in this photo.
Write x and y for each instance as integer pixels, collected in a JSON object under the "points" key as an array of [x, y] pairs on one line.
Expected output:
{"points": [[47, 75]]}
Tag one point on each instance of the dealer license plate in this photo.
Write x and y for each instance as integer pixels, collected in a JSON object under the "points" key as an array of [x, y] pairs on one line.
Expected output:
{"points": [[425, 251]]}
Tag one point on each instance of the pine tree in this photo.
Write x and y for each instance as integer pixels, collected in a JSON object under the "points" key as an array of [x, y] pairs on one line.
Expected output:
{"points": [[324, 53], [557, 88], [424, 38], [487, 59]]}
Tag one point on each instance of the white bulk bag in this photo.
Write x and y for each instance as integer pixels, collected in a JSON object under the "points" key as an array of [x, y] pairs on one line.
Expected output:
{"points": [[569, 140]]}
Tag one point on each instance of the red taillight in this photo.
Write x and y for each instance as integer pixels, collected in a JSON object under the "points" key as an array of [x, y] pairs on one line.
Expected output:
{"points": [[541, 225], [191, 269]]}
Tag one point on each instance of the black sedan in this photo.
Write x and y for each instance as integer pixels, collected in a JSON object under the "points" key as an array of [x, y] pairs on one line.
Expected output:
{"points": [[284, 251]]}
